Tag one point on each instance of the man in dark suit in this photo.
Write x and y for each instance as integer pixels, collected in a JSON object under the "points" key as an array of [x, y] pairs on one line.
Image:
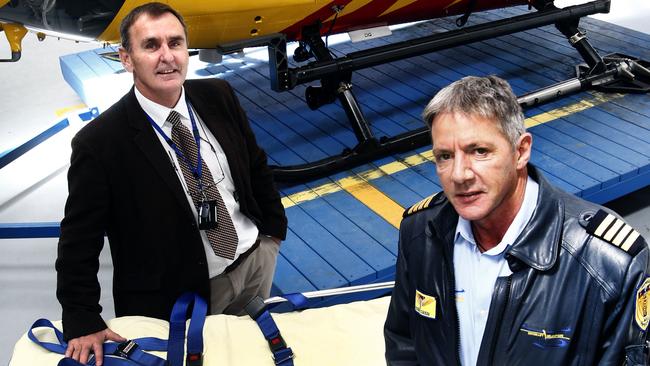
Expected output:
{"points": [[173, 175]]}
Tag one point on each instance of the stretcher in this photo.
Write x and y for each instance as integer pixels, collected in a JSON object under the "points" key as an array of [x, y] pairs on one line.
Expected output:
{"points": [[345, 334]]}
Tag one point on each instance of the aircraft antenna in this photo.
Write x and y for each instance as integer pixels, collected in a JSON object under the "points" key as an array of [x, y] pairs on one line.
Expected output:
{"points": [[337, 9]]}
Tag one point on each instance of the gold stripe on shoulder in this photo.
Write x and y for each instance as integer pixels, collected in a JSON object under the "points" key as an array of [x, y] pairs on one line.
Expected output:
{"points": [[421, 205], [622, 234], [630, 240], [613, 230], [609, 235], [417, 207], [413, 208], [604, 225], [428, 201]]}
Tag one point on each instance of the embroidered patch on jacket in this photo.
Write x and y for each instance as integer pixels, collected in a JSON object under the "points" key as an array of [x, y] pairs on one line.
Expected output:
{"points": [[615, 231], [425, 305], [642, 312], [547, 339]]}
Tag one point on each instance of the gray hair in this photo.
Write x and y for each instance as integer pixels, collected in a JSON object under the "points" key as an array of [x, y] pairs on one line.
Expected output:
{"points": [[489, 97], [154, 10]]}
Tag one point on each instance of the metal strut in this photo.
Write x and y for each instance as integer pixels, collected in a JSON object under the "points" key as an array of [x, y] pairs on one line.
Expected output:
{"points": [[333, 86], [616, 73], [610, 73]]}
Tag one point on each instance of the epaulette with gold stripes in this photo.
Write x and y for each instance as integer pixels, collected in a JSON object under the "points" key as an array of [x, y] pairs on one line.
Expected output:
{"points": [[422, 205], [616, 232]]}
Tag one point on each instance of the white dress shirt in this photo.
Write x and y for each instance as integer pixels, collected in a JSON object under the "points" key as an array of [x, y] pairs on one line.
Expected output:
{"points": [[476, 274], [215, 159]]}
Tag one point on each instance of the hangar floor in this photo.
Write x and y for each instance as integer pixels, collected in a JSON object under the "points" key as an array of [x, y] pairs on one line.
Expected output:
{"points": [[26, 266]]}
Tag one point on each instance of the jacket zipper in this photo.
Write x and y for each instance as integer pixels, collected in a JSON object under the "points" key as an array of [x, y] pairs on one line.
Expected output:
{"points": [[448, 254], [501, 314], [452, 290], [453, 287]]}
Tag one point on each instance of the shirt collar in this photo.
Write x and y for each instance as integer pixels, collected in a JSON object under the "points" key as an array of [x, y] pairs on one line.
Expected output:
{"points": [[158, 112], [464, 227]]}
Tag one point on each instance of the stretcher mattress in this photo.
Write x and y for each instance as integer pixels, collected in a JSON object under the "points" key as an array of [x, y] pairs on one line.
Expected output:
{"points": [[346, 334]]}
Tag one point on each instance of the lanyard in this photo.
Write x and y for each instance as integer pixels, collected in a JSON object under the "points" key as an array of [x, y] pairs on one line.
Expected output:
{"points": [[198, 170]]}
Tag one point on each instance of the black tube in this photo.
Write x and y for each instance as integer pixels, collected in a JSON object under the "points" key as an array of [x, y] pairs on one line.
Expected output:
{"points": [[352, 109]]}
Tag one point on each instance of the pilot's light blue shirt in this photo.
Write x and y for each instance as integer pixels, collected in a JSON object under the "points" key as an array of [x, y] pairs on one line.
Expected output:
{"points": [[476, 273]]}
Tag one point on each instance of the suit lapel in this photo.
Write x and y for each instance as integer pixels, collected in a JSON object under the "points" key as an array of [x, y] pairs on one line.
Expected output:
{"points": [[146, 140]]}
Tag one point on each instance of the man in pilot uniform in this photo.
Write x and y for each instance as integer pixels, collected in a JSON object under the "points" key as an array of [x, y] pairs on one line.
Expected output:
{"points": [[502, 268]]}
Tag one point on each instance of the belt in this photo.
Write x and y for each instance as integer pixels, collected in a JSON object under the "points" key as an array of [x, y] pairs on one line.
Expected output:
{"points": [[241, 257]]}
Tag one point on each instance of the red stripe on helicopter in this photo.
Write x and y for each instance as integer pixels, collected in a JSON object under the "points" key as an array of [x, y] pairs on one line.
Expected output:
{"points": [[362, 17], [369, 14], [427, 9]]}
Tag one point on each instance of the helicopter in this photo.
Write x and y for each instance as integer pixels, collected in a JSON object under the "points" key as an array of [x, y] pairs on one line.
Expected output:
{"points": [[218, 28]]}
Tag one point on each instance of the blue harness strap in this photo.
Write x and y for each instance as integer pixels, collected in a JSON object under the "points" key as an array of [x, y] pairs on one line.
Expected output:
{"points": [[298, 300], [131, 353], [52, 347], [194, 333], [282, 354]]}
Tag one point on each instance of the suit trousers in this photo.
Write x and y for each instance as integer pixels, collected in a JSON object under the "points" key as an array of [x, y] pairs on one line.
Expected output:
{"points": [[231, 291]]}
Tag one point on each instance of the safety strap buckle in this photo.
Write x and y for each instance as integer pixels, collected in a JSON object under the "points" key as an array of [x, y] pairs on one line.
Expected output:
{"points": [[283, 356], [126, 349], [281, 353], [277, 343], [194, 359]]}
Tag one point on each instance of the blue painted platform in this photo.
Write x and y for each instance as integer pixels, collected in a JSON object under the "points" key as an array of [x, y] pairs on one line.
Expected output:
{"points": [[597, 146]]}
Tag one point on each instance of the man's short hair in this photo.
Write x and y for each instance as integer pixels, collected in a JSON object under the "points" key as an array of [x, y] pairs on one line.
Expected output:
{"points": [[153, 10], [489, 97]]}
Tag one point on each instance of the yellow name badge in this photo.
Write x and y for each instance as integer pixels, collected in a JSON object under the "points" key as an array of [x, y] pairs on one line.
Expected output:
{"points": [[642, 313], [425, 305]]}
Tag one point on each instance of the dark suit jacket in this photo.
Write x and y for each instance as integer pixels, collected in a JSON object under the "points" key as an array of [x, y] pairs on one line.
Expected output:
{"points": [[121, 183]]}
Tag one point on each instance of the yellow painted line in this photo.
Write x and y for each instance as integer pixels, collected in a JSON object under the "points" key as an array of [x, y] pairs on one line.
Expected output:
{"points": [[63, 111], [596, 99], [383, 170], [373, 198], [308, 195], [360, 187]]}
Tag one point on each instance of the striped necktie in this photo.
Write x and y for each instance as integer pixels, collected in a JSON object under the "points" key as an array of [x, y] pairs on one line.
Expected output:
{"points": [[223, 238]]}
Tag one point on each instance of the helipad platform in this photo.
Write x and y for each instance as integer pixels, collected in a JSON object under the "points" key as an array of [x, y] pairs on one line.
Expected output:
{"points": [[343, 228]]}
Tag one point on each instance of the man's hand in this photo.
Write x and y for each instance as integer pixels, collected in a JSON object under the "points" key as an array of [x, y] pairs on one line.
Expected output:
{"points": [[79, 348]]}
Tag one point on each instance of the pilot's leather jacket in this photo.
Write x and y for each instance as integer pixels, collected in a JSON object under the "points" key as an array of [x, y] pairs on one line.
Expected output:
{"points": [[574, 298]]}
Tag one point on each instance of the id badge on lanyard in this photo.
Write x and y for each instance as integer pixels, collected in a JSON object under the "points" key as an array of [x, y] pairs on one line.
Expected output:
{"points": [[208, 214], [207, 208]]}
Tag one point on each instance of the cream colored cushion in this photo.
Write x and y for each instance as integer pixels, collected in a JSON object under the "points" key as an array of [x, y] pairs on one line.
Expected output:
{"points": [[347, 334]]}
